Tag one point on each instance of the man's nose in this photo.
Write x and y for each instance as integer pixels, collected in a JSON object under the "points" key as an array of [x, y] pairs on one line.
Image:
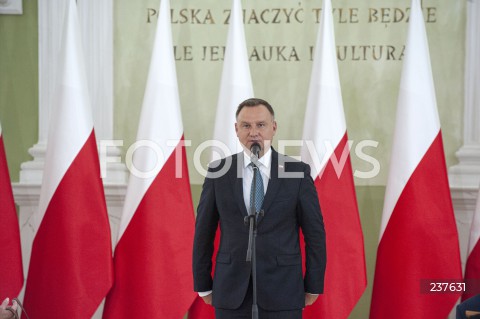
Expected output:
{"points": [[253, 131]]}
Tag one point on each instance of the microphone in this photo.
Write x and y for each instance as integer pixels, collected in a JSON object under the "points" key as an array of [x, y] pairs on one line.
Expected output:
{"points": [[255, 149]]}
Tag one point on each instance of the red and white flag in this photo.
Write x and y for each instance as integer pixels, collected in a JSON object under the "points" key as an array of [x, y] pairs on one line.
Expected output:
{"points": [[153, 256], [11, 275], [472, 267], [418, 236], [70, 268], [327, 150], [235, 87]]}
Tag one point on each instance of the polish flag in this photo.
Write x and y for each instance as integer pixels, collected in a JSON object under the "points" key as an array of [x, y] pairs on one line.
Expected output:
{"points": [[327, 150], [418, 236], [235, 87], [153, 256], [11, 276], [70, 268], [472, 268]]}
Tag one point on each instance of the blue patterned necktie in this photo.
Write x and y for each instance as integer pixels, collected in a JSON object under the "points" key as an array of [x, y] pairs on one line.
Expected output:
{"points": [[258, 189]]}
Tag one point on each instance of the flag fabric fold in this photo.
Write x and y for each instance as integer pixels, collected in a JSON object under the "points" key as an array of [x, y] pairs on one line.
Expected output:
{"points": [[326, 149], [235, 87], [418, 236], [153, 256], [472, 267], [11, 276], [70, 269]]}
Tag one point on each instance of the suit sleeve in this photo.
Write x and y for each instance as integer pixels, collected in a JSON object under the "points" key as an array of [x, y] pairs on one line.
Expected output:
{"points": [[205, 228], [311, 222]]}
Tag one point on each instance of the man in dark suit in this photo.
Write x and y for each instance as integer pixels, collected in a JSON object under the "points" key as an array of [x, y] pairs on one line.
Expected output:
{"points": [[290, 203], [469, 308]]}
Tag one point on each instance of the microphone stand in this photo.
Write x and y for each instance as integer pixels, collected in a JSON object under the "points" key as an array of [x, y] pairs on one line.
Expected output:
{"points": [[251, 219]]}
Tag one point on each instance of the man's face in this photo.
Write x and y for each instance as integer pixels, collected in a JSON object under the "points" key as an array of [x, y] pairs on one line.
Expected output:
{"points": [[255, 124]]}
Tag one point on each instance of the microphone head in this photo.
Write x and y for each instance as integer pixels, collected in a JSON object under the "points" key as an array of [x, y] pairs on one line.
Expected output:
{"points": [[255, 149]]}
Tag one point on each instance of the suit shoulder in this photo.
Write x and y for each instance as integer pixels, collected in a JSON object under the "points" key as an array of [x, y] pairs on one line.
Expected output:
{"points": [[292, 164], [222, 165]]}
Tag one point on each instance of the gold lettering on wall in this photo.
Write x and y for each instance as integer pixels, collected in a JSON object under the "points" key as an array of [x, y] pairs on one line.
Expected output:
{"points": [[344, 17]]}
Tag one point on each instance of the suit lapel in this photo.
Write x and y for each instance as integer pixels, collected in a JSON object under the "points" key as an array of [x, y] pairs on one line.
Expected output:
{"points": [[236, 173]]}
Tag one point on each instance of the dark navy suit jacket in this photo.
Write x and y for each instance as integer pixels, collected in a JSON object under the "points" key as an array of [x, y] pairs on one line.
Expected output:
{"points": [[290, 204], [472, 304]]}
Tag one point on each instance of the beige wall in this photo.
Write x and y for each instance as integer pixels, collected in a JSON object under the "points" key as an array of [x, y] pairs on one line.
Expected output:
{"points": [[369, 86], [370, 36]]}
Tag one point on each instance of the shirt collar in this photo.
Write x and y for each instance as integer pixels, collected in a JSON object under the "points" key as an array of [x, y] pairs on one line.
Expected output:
{"points": [[265, 161]]}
